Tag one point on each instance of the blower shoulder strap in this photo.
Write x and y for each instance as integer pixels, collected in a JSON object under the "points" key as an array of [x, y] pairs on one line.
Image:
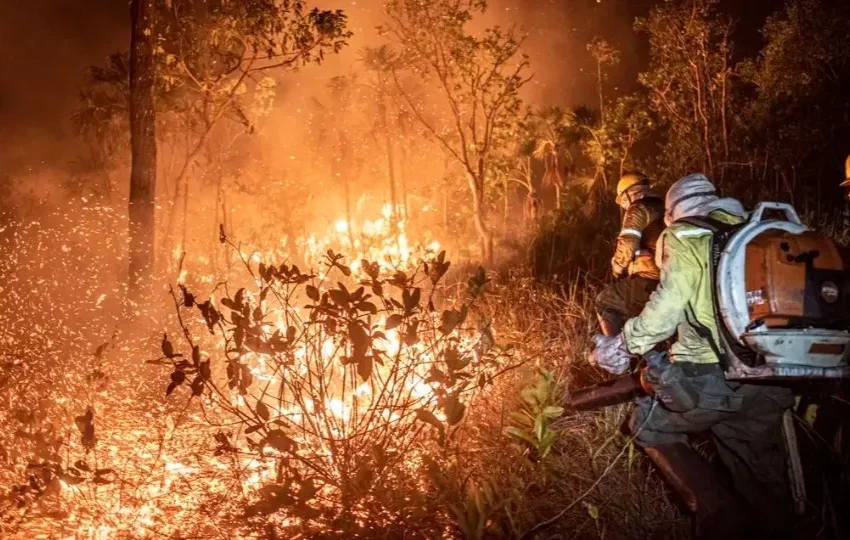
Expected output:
{"points": [[705, 222]]}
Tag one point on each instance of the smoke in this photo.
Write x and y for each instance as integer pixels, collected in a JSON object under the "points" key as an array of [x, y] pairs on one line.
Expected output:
{"points": [[47, 46]]}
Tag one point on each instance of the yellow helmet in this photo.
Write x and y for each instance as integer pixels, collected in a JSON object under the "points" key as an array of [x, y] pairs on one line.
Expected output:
{"points": [[629, 181]]}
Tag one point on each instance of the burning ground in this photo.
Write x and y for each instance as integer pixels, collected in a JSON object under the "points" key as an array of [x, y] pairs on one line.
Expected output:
{"points": [[304, 393]]}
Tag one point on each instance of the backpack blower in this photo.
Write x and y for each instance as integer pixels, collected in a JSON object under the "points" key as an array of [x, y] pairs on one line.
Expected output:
{"points": [[782, 302]]}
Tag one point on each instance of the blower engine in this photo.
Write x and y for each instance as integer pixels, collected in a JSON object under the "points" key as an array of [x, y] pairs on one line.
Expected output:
{"points": [[782, 295], [782, 301]]}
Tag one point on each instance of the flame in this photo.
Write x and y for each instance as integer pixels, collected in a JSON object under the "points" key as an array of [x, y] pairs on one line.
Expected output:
{"points": [[160, 500]]}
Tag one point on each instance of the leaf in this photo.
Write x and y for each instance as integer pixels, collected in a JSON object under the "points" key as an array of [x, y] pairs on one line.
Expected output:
{"points": [[411, 300], [454, 361], [553, 412], [521, 434], [368, 307], [188, 298], [80, 464], [263, 411], [253, 429], [177, 377], [364, 367], [307, 490], [411, 337], [210, 314], [204, 370], [272, 498], [540, 425], [171, 386], [592, 510], [278, 440], [393, 321], [545, 444], [312, 293], [482, 380], [529, 396], [85, 423], [360, 340], [435, 375], [424, 415], [221, 236], [196, 356], [454, 409], [339, 297], [167, 347], [197, 385]]}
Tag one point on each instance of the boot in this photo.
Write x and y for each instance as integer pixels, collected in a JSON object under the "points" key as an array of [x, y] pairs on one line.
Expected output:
{"points": [[611, 323], [717, 511]]}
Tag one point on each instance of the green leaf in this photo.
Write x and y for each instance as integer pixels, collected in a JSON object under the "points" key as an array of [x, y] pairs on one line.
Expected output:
{"points": [[592, 510], [520, 417], [540, 426], [545, 444], [553, 412], [521, 434], [529, 396]]}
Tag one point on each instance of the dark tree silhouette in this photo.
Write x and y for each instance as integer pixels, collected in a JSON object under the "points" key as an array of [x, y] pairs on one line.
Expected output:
{"points": [[142, 143]]}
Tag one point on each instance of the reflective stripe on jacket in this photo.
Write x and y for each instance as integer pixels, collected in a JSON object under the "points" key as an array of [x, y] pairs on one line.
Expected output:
{"points": [[632, 240], [683, 301]]}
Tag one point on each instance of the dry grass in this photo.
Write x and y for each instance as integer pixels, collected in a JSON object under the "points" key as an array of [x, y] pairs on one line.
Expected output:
{"points": [[594, 483]]}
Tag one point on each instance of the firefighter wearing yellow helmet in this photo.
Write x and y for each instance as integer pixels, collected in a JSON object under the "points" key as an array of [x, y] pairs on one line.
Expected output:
{"points": [[634, 254], [744, 419]]}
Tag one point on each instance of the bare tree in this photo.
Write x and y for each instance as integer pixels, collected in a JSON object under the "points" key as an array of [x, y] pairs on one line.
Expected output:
{"points": [[478, 79]]}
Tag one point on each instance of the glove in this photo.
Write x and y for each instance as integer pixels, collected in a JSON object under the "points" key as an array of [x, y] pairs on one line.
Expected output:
{"points": [[610, 353], [616, 269]]}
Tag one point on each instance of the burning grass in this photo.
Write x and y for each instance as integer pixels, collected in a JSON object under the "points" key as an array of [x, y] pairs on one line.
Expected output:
{"points": [[359, 397]]}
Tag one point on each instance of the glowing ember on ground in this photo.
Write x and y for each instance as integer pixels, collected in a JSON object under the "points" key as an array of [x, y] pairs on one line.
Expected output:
{"points": [[162, 468]]}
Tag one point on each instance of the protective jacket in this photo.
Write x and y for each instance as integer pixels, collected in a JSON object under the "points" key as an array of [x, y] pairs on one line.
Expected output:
{"points": [[643, 222], [684, 299]]}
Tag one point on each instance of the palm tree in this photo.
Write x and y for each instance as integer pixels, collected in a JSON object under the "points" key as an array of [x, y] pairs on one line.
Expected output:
{"points": [[551, 148], [380, 62]]}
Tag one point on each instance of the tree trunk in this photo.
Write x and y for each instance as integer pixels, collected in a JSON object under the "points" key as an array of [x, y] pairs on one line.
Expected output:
{"points": [[505, 209], [391, 175], [601, 94], [479, 215], [403, 177], [142, 143], [390, 158]]}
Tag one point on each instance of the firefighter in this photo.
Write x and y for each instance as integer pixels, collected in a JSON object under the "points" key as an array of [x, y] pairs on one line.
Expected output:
{"points": [[743, 419], [633, 263]]}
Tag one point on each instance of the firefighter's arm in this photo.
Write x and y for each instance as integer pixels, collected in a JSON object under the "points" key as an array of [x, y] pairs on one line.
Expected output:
{"points": [[628, 240], [665, 309]]}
